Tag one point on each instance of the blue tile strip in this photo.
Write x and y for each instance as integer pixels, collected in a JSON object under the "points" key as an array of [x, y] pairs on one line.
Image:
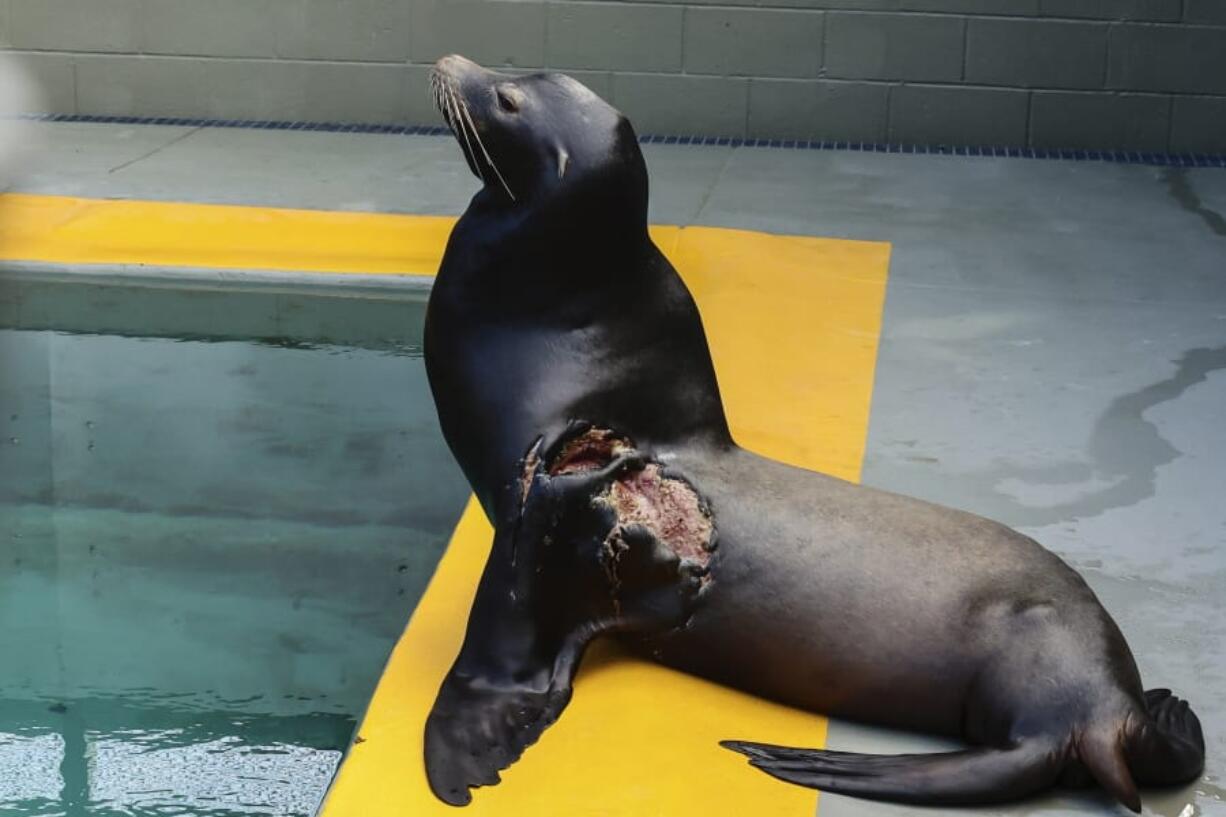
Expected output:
{"points": [[1117, 156]]}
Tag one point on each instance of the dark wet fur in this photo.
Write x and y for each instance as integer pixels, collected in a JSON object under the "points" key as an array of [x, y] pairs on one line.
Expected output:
{"points": [[551, 305]]}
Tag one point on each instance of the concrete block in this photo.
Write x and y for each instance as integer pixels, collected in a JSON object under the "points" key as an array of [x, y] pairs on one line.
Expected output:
{"points": [[914, 47], [1149, 10], [754, 42], [52, 75], [682, 105], [493, 32], [821, 109], [309, 91], [1198, 125], [73, 25], [625, 37], [1205, 11], [418, 106], [359, 30], [1167, 58], [938, 115], [124, 85], [1063, 119], [218, 28], [1036, 53], [330, 97], [1012, 8], [245, 89]]}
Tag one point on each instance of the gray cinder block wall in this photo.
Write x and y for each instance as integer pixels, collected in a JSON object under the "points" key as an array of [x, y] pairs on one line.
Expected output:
{"points": [[1124, 74]]}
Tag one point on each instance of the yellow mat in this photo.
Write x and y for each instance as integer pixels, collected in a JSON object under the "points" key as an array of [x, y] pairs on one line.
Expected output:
{"points": [[793, 325], [67, 230]]}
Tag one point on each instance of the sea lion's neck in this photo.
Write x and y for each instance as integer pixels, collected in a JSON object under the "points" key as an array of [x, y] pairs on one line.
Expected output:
{"points": [[509, 263], [529, 327]]}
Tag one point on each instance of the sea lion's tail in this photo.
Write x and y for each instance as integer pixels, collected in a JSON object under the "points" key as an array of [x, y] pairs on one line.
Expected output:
{"points": [[1161, 745]]}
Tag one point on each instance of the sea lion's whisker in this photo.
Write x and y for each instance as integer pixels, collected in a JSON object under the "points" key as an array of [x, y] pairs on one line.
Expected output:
{"points": [[438, 97], [469, 153], [434, 98], [480, 144], [454, 108], [444, 105]]}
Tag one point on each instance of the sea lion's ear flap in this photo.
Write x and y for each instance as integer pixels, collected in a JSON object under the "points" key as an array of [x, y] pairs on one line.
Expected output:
{"points": [[563, 161]]}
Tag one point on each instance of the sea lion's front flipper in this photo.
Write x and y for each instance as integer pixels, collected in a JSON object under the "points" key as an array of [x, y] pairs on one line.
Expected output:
{"points": [[477, 728], [566, 566]]}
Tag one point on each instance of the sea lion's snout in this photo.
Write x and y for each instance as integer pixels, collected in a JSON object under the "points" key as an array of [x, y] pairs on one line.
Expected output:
{"points": [[456, 66], [456, 86], [451, 80]]}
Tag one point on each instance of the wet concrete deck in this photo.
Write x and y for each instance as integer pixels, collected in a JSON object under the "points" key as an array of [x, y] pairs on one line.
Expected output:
{"points": [[1053, 352]]}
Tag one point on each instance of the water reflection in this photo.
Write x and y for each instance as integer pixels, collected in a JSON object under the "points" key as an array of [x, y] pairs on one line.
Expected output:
{"points": [[30, 769], [207, 550], [119, 757]]}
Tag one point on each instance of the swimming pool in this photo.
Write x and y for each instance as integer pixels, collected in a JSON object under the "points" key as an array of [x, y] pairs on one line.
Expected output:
{"points": [[218, 506]]}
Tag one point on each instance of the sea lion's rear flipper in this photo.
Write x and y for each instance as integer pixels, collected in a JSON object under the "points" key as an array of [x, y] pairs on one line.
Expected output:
{"points": [[565, 567], [973, 776], [1168, 747], [1161, 744]]}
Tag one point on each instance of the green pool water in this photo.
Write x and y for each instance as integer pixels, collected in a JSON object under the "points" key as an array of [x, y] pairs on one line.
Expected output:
{"points": [[209, 541]]}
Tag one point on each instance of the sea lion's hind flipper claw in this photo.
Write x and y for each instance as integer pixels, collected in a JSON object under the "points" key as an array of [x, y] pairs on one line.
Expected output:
{"points": [[980, 775]]}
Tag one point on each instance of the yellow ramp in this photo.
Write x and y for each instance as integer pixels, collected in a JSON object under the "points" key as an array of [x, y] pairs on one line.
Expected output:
{"points": [[793, 325]]}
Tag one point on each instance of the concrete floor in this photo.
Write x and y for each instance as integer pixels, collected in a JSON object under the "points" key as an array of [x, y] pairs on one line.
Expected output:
{"points": [[1053, 352]]}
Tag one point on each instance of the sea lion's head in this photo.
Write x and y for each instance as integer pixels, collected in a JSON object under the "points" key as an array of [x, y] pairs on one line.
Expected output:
{"points": [[540, 138]]}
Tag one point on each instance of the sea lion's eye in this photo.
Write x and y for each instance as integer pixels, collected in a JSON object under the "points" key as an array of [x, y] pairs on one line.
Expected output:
{"points": [[508, 99]]}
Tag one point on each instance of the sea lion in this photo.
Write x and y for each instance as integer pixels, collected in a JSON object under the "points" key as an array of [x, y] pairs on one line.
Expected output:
{"points": [[574, 385]]}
